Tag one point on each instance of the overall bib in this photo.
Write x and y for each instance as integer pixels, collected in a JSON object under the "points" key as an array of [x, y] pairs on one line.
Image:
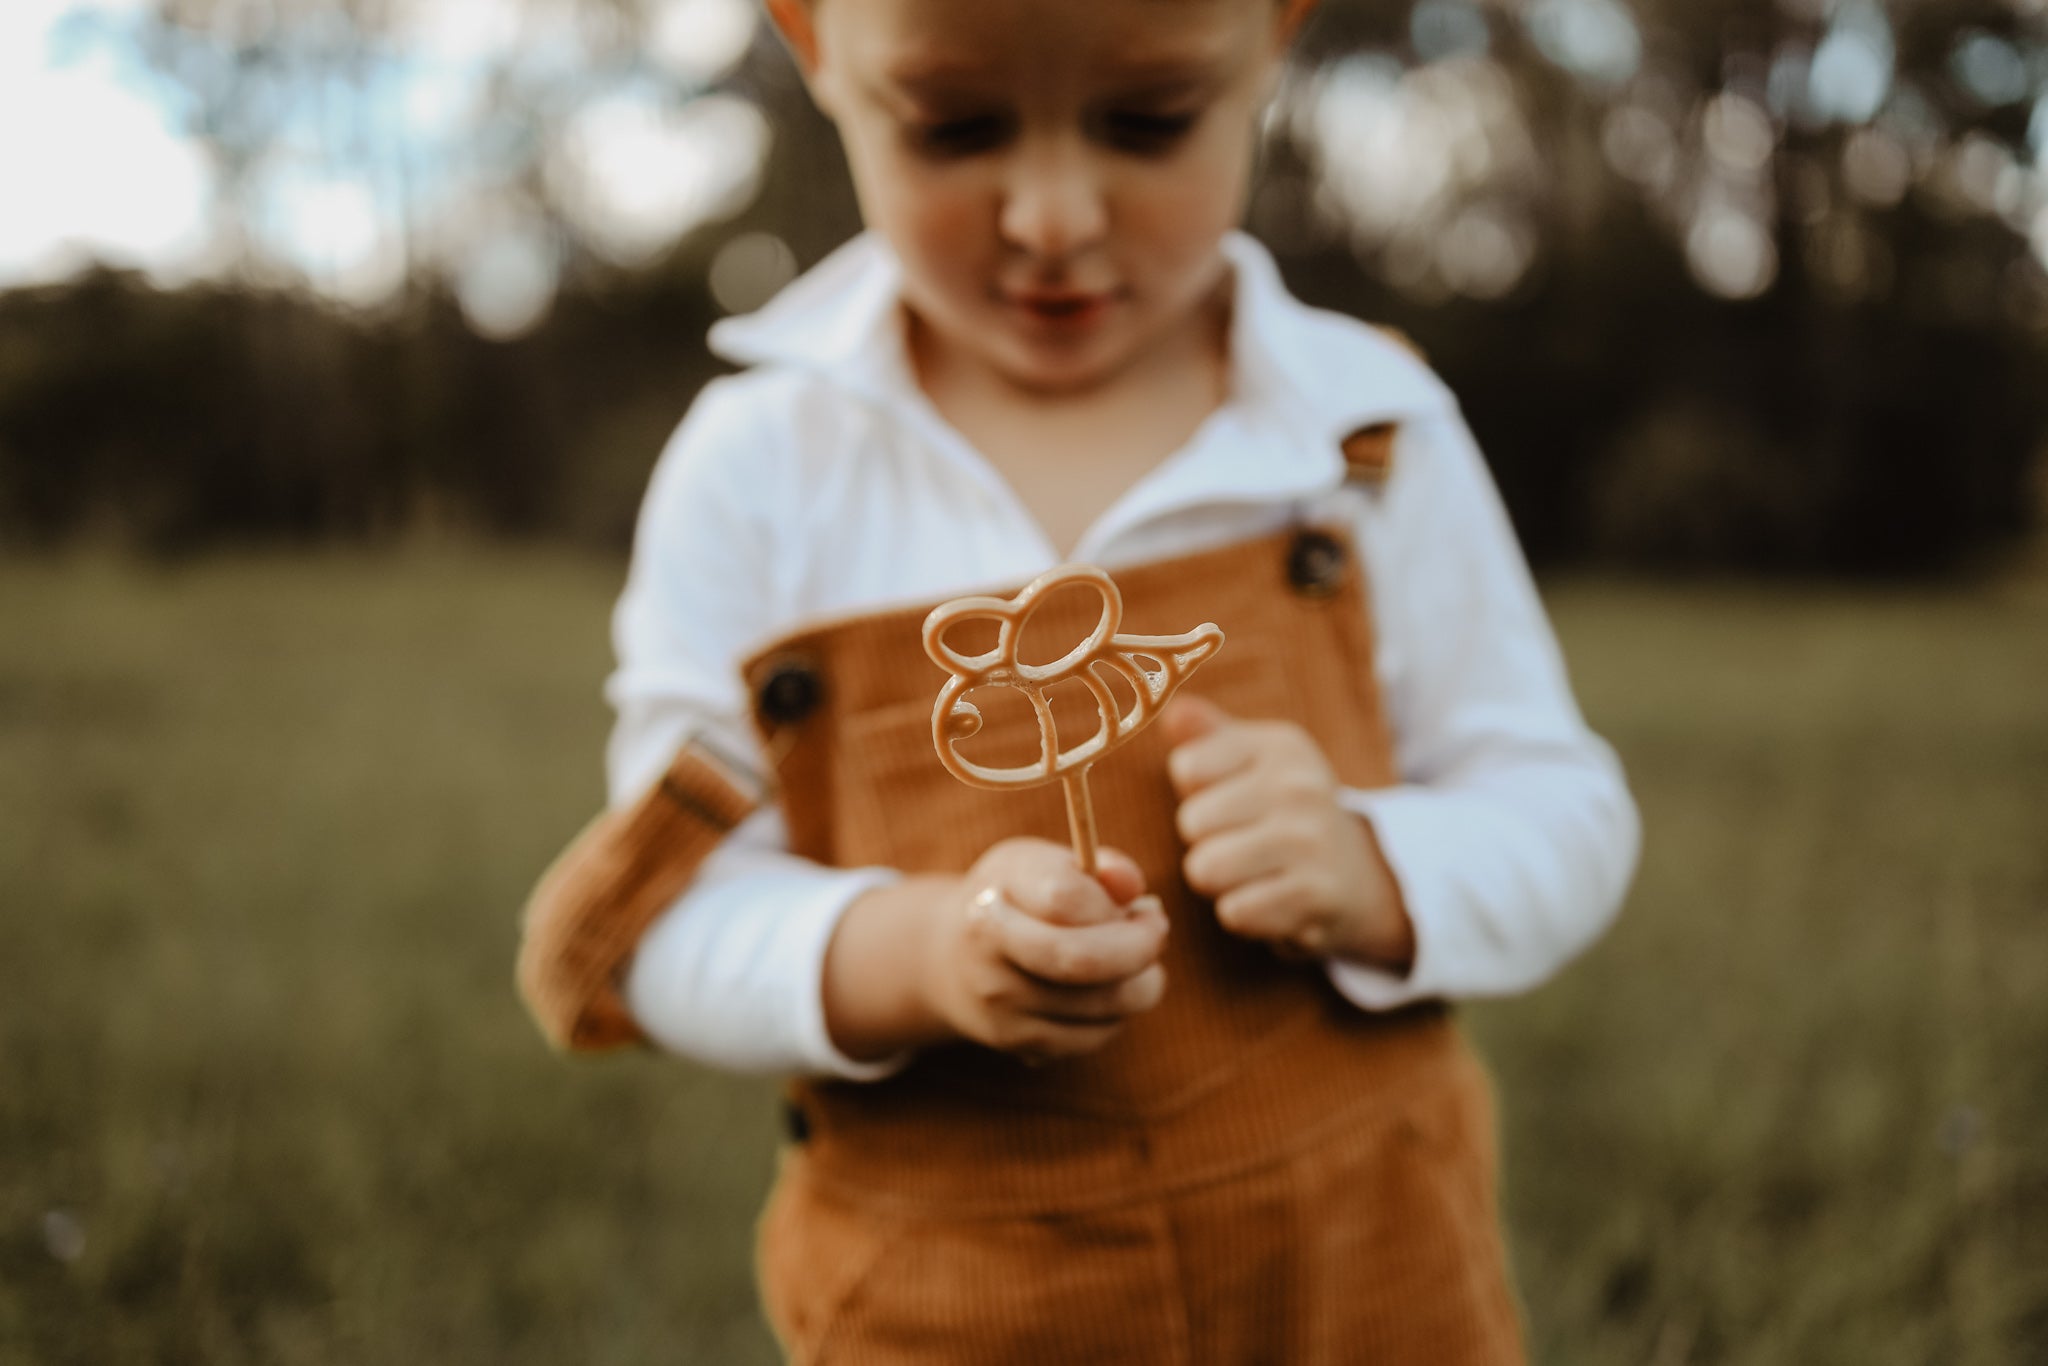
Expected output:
{"points": [[1254, 1171]]}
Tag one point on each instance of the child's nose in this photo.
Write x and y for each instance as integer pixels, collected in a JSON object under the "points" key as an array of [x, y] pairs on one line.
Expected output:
{"points": [[1054, 205]]}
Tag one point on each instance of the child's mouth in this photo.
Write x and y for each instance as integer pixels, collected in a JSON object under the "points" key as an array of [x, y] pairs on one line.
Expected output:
{"points": [[1062, 308]]}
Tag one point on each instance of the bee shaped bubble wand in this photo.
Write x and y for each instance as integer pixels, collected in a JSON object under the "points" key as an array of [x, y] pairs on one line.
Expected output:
{"points": [[1154, 666]]}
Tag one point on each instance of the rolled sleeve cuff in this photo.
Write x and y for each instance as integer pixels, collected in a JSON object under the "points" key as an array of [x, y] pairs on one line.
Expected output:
{"points": [[809, 931], [734, 977], [1419, 846]]}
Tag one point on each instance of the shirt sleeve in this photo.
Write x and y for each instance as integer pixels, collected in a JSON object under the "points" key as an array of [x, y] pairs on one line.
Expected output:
{"points": [[731, 973], [1512, 833]]}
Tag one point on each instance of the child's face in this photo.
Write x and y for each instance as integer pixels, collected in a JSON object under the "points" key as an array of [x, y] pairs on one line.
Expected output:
{"points": [[1056, 175]]}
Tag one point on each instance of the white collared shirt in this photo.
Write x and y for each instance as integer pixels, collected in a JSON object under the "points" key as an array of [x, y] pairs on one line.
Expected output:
{"points": [[822, 481]]}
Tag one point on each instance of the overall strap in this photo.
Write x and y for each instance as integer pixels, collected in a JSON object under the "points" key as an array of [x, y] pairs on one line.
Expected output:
{"points": [[598, 898]]}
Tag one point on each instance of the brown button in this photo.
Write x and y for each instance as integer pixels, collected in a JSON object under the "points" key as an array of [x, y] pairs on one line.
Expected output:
{"points": [[796, 1122], [1315, 563], [790, 691]]}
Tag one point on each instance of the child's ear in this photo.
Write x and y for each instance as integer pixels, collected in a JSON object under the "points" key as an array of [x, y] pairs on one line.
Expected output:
{"points": [[797, 22], [1293, 14], [792, 19]]}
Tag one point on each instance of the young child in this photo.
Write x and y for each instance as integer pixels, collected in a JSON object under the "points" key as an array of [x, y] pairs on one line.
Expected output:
{"points": [[1204, 1106]]}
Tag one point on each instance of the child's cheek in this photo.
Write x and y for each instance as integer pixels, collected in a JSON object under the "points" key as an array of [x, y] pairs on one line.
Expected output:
{"points": [[938, 223], [942, 228], [1179, 211], [926, 211]]}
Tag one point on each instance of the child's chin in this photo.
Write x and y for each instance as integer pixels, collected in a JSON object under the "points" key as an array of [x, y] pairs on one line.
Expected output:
{"points": [[1065, 371]]}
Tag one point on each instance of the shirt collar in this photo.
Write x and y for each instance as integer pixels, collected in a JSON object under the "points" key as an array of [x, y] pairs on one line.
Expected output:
{"points": [[1327, 372], [840, 319], [1331, 376]]}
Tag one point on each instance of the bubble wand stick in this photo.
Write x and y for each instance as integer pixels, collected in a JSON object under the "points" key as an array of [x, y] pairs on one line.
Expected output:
{"points": [[954, 718]]}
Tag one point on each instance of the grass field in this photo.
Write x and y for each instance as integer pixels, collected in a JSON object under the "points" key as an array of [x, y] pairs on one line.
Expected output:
{"points": [[266, 1096]]}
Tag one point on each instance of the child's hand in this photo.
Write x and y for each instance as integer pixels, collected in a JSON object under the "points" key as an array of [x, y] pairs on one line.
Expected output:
{"points": [[1032, 956], [1269, 843]]}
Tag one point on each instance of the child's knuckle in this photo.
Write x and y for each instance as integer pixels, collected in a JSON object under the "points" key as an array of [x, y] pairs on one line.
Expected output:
{"points": [[1300, 833], [1296, 741], [994, 1003], [1300, 783], [1073, 898]]}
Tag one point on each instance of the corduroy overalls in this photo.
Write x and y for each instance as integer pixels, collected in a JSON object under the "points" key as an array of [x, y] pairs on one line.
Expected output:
{"points": [[1254, 1171]]}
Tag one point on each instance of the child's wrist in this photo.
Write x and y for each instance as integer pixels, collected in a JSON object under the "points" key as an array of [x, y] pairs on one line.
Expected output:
{"points": [[881, 984], [1378, 930], [1384, 938], [934, 955]]}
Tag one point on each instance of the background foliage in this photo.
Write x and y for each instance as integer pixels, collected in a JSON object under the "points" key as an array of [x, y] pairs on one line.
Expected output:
{"points": [[1728, 283]]}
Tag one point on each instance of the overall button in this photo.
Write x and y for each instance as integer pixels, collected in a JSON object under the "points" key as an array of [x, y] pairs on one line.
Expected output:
{"points": [[796, 1123], [789, 691], [1315, 564]]}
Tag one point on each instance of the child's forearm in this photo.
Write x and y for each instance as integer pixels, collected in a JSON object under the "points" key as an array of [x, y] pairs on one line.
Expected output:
{"points": [[876, 1004]]}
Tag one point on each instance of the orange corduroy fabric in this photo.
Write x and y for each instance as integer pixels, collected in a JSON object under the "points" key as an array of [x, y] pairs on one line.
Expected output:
{"points": [[1255, 1171], [590, 908]]}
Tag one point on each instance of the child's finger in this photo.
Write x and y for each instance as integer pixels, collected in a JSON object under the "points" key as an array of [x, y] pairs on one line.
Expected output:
{"points": [[1276, 907], [1188, 717], [1221, 806], [1041, 878], [1231, 859], [1080, 955], [1043, 1040], [1119, 875], [1105, 1004], [1210, 758], [1064, 896]]}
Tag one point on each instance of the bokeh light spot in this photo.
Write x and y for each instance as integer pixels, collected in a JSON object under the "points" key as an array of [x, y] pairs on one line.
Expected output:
{"points": [[1989, 68], [1639, 144], [1982, 174], [700, 40], [63, 1236], [1738, 133], [1441, 29], [1398, 152], [88, 167], [1730, 252], [1876, 167], [1596, 40], [1484, 255], [748, 270], [1852, 69], [1785, 86], [462, 32], [636, 173], [507, 283], [336, 232]]}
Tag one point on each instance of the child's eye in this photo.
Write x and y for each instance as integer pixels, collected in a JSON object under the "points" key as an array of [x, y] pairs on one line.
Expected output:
{"points": [[960, 137], [1144, 133]]}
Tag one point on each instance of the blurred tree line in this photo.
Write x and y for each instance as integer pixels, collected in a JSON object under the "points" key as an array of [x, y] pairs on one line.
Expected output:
{"points": [[1749, 283]]}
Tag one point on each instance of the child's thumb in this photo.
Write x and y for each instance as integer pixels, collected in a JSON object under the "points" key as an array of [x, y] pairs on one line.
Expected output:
{"points": [[1190, 718], [1119, 875]]}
